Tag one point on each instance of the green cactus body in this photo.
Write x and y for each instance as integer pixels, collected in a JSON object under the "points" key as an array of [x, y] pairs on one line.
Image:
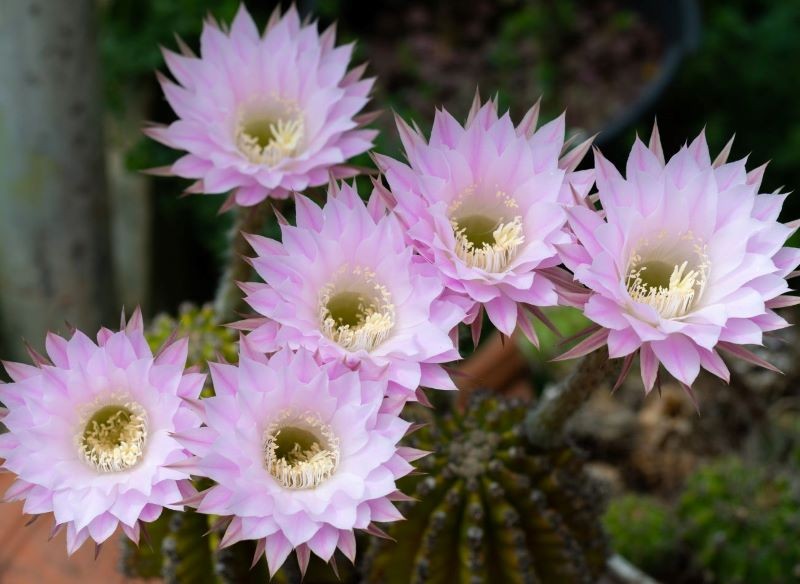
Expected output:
{"points": [[489, 510], [232, 565], [186, 551], [145, 560], [208, 341]]}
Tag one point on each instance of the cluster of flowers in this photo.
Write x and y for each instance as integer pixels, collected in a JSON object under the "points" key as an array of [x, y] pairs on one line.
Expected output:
{"points": [[360, 302]]}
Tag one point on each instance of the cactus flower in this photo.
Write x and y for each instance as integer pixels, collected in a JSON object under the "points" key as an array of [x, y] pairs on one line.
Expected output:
{"points": [[264, 114], [301, 454], [90, 433], [685, 261], [484, 203]]}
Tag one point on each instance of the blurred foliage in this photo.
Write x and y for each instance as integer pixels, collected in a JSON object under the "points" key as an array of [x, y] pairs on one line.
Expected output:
{"points": [[644, 531], [428, 55], [568, 321], [741, 523], [777, 442], [735, 522], [134, 30], [488, 510], [737, 82]]}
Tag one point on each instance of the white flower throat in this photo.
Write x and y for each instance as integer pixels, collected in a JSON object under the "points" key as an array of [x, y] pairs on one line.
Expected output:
{"points": [[270, 131], [300, 451], [355, 310], [113, 434], [487, 235], [670, 277]]}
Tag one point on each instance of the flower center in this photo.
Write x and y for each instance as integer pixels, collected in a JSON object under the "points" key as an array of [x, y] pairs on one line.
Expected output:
{"points": [[671, 286], [270, 132], [355, 311], [486, 243], [113, 437], [487, 235], [301, 452]]}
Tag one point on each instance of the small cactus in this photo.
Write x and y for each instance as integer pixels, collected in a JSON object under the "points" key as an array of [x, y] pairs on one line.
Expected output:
{"points": [[741, 523], [208, 341], [490, 510]]}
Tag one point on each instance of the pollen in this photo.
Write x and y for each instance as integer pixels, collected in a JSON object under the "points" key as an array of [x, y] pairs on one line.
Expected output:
{"points": [[355, 310], [672, 288], [300, 451], [271, 133], [113, 436]]}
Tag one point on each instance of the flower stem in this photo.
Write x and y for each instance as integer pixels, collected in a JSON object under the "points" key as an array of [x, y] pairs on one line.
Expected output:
{"points": [[229, 298], [544, 424]]}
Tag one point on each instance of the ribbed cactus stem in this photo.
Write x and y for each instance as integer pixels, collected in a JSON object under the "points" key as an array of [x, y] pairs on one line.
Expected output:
{"points": [[237, 269], [232, 565], [186, 553], [544, 424], [490, 510]]}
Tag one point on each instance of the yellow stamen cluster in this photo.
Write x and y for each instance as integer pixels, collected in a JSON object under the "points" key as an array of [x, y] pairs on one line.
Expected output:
{"points": [[672, 289], [356, 311], [270, 134], [113, 435], [494, 255], [300, 451], [485, 237]]}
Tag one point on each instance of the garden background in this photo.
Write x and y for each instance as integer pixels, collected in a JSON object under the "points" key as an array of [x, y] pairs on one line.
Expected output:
{"points": [[714, 498]]}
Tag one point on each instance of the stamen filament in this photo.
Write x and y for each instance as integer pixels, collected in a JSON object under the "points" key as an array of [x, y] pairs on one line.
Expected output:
{"points": [[491, 256], [671, 297], [113, 436], [268, 142], [300, 452], [356, 320]]}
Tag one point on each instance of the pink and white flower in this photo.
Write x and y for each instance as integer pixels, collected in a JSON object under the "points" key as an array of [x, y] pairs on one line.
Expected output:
{"points": [[264, 114], [484, 203], [90, 434], [685, 260], [344, 283], [301, 453]]}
